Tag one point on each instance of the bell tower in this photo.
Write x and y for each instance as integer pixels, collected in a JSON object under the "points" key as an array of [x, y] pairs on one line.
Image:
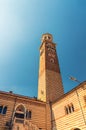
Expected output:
{"points": [[49, 83]]}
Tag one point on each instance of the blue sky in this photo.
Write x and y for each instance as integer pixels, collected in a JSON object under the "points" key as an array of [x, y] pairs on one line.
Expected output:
{"points": [[22, 22]]}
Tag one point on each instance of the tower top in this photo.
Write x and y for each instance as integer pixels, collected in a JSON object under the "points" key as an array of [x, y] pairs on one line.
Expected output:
{"points": [[47, 37]]}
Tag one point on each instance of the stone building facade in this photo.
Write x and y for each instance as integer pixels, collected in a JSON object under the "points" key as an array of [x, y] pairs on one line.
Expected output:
{"points": [[69, 111], [53, 109], [23, 113]]}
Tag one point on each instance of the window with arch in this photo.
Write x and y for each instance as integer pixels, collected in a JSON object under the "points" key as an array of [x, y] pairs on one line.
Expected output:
{"points": [[28, 114], [3, 109], [69, 108], [66, 110], [20, 112], [20, 108], [72, 107]]}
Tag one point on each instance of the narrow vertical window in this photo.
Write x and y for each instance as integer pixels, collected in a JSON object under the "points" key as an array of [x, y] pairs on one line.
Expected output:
{"points": [[4, 110], [72, 107], [28, 114], [69, 109], [66, 110]]}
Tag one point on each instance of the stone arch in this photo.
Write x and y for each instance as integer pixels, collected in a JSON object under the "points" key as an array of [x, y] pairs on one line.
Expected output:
{"points": [[21, 104], [19, 113], [16, 106], [20, 108]]}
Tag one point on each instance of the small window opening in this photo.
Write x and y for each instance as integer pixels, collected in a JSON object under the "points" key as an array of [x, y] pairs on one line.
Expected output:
{"points": [[72, 108], [28, 114], [19, 115], [52, 60], [4, 110], [49, 37], [66, 110], [69, 109]]}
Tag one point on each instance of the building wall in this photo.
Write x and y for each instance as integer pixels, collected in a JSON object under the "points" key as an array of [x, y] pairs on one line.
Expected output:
{"points": [[40, 111], [77, 119], [54, 87]]}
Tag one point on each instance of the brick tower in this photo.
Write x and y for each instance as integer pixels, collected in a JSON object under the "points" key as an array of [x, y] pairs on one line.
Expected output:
{"points": [[49, 82]]}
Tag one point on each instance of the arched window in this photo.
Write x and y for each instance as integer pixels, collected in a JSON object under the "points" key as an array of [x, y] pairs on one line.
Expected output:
{"points": [[72, 107], [20, 112], [20, 108], [28, 114], [69, 107], [66, 110], [4, 110]]}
